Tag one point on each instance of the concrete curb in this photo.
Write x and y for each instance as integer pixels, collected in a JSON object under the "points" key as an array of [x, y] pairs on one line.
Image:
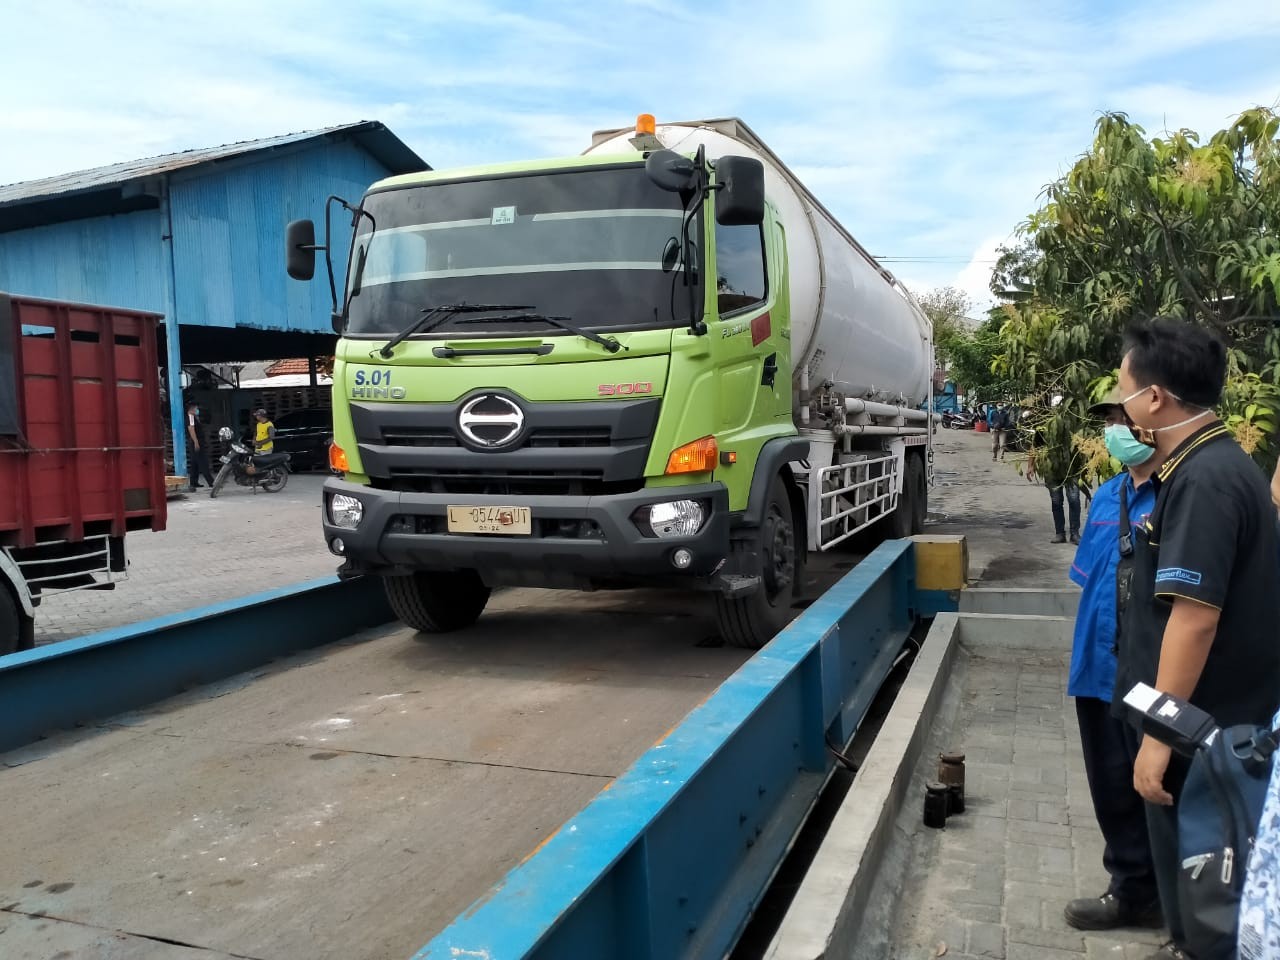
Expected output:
{"points": [[985, 633], [825, 915], [1035, 601]]}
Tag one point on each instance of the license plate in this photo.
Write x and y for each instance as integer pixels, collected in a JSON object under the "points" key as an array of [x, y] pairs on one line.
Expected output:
{"points": [[511, 521]]}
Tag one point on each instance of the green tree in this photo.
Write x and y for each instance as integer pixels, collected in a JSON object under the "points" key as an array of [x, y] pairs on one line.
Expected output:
{"points": [[967, 351], [1139, 228], [948, 309]]}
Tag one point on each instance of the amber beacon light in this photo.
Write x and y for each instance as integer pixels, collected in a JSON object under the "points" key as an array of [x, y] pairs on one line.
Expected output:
{"points": [[645, 123]]}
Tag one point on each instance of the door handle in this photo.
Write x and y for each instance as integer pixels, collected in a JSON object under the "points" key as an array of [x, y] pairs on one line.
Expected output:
{"points": [[769, 372]]}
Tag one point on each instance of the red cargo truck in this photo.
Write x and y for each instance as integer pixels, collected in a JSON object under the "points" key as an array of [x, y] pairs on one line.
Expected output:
{"points": [[81, 450]]}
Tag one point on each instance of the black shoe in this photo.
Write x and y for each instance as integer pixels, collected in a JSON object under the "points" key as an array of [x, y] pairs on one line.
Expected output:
{"points": [[1108, 913], [1170, 951], [1075, 537], [1059, 538]]}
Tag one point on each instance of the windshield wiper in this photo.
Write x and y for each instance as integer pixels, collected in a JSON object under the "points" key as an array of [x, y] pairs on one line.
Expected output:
{"points": [[432, 317], [564, 323]]}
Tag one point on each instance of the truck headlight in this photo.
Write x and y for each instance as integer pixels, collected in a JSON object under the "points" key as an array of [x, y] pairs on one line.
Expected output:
{"points": [[673, 518], [345, 512]]}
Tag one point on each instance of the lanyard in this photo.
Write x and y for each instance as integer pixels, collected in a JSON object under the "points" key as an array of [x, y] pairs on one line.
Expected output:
{"points": [[1126, 529]]}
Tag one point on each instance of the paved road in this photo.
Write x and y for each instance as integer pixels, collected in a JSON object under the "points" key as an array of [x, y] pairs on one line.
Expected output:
{"points": [[213, 550], [1005, 518]]}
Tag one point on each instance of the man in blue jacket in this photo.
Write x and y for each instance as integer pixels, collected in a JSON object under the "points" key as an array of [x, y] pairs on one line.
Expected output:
{"points": [[1102, 568], [998, 422]]}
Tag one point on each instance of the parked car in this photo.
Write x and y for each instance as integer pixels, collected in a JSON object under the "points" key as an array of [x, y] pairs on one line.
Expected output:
{"points": [[306, 434]]}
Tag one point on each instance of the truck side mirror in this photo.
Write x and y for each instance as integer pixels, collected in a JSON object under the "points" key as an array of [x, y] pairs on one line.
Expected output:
{"points": [[300, 249], [739, 192], [670, 171]]}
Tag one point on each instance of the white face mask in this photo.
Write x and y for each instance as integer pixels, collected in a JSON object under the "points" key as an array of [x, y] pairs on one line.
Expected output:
{"points": [[1173, 426]]}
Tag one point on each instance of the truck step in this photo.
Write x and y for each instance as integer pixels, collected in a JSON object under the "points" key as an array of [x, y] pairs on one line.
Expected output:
{"points": [[734, 586]]}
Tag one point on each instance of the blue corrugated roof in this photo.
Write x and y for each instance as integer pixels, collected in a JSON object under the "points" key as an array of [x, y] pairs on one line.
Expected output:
{"points": [[373, 136]]}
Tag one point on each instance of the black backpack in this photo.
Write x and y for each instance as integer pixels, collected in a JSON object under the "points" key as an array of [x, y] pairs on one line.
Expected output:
{"points": [[1218, 815]]}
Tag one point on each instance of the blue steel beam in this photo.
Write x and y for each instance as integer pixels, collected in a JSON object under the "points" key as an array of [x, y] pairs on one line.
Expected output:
{"points": [[670, 861], [65, 684]]}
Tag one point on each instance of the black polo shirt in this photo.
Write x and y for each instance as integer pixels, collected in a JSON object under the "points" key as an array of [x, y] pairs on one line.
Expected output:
{"points": [[1212, 539]]}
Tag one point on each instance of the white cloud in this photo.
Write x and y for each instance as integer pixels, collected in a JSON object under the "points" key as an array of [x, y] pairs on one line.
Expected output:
{"points": [[927, 128]]}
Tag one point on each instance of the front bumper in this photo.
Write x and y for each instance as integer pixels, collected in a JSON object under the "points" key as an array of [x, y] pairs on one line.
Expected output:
{"points": [[576, 541]]}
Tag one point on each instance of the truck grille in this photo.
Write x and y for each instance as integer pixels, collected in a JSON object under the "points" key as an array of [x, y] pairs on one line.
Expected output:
{"points": [[549, 437], [567, 448]]}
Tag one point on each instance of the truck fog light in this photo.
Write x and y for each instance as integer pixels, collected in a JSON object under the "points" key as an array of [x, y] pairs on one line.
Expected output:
{"points": [[675, 518], [345, 512], [682, 558], [337, 546]]}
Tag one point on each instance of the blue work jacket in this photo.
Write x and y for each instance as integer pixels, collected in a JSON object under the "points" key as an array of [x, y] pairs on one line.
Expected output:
{"points": [[1093, 659]]}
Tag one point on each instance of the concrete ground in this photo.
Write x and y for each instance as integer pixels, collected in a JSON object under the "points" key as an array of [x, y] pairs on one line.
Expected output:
{"points": [[1005, 517], [213, 550]]}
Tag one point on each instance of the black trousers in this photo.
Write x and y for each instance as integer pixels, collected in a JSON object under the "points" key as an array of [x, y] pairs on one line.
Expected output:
{"points": [[1162, 833], [1120, 809], [198, 466]]}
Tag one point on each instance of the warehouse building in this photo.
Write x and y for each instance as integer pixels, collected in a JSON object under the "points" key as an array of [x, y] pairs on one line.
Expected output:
{"points": [[198, 236]]}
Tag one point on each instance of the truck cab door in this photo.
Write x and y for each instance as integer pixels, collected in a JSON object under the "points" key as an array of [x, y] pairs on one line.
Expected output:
{"points": [[749, 350]]}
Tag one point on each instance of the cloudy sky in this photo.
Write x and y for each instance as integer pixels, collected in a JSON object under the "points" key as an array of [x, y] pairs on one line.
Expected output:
{"points": [[928, 128]]}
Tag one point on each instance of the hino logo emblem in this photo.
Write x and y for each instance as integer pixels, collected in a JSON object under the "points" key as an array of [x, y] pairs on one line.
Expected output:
{"points": [[491, 421]]}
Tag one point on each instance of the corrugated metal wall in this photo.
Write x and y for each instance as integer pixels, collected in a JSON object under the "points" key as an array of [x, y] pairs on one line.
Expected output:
{"points": [[115, 261], [228, 228]]}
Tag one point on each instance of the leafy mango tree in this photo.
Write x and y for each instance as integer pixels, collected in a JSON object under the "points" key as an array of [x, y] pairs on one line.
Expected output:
{"points": [[1139, 228]]}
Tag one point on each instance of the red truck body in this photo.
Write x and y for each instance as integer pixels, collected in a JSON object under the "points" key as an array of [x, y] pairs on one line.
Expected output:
{"points": [[81, 427]]}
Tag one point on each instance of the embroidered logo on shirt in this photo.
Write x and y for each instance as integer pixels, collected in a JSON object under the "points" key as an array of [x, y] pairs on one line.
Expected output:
{"points": [[1179, 574]]}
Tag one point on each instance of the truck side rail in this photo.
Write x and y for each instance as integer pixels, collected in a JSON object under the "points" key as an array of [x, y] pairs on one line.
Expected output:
{"points": [[671, 859]]}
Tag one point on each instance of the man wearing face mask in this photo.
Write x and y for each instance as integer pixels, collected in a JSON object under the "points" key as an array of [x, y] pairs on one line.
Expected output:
{"points": [[1103, 568], [1201, 621]]}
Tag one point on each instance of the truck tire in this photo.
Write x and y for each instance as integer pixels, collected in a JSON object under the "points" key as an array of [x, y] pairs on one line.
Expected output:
{"points": [[913, 503], [920, 498], [437, 602], [12, 634], [753, 621], [219, 480]]}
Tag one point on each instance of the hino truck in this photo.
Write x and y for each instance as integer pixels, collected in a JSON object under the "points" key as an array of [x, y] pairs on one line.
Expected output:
{"points": [[661, 363]]}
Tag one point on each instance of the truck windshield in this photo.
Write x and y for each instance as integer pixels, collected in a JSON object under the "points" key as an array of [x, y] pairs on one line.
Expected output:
{"points": [[587, 244]]}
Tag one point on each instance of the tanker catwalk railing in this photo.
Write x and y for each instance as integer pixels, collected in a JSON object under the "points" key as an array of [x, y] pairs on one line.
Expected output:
{"points": [[66, 684], [670, 860]]}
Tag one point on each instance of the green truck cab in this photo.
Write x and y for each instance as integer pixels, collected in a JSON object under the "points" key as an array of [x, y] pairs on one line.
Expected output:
{"points": [[572, 374]]}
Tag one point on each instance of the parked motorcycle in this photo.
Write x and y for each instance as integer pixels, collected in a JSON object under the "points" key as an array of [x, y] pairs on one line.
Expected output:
{"points": [[957, 421], [270, 471]]}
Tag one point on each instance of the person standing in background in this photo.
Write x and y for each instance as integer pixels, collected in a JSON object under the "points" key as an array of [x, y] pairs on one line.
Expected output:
{"points": [[198, 458], [998, 424]]}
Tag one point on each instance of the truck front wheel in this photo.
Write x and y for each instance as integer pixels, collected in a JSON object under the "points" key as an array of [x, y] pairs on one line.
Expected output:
{"points": [[753, 621], [15, 629], [437, 602]]}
